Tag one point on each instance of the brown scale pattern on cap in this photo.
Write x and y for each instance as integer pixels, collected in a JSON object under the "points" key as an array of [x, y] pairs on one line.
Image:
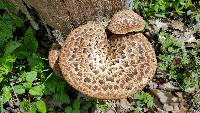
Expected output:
{"points": [[53, 57], [106, 68], [126, 21]]}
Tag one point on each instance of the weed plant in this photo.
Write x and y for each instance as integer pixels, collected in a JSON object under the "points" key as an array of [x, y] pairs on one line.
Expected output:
{"points": [[179, 63], [26, 80], [159, 8]]}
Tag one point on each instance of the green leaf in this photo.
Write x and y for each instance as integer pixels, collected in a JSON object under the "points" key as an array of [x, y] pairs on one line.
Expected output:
{"points": [[1, 78], [55, 85], [87, 105], [33, 108], [150, 104], [5, 69], [19, 89], [50, 110], [149, 101], [68, 110], [31, 76], [137, 96], [51, 85], [76, 110], [143, 98], [30, 41], [28, 85], [18, 21], [21, 52], [61, 98], [137, 110], [37, 90], [6, 64], [140, 103], [76, 103], [41, 106], [7, 5], [24, 105], [35, 62], [6, 94], [10, 47]]}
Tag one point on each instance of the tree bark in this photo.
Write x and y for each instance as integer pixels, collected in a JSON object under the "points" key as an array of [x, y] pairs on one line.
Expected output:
{"points": [[65, 15]]}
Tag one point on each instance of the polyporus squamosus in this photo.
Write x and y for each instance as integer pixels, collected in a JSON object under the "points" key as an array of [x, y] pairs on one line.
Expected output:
{"points": [[53, 57], [106, 67], [126, 21]]}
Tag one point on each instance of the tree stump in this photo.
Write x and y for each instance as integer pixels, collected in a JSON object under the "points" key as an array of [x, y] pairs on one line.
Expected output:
{"points": [[65, 15]]}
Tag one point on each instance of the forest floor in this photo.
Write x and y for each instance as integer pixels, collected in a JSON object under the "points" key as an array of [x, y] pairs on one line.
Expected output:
{"points": [[28, 85]]}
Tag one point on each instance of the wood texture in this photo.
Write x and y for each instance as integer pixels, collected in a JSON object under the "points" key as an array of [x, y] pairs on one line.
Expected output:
{"points": [[65, 15]]}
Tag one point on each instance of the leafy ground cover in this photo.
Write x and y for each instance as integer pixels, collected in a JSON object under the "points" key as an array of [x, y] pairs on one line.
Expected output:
{"points": [[28, 85], [26, 80]]}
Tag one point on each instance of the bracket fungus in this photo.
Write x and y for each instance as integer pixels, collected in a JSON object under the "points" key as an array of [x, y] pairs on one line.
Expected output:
{"points": [[106, 67], [53, 57], [126, 21]]}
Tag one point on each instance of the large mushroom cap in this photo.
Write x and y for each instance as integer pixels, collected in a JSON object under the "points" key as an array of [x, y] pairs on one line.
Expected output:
{"points": [[126, 21], [106, 68]]}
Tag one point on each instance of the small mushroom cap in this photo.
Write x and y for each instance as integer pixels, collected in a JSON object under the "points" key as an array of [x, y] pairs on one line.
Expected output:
{"points": [[53, 57], [106, 68], [126, 21]]}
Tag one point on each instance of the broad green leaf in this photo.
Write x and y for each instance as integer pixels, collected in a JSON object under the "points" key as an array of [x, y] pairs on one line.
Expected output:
{"points": [[6, 94], [9, 59], [61, 98], [76, 110], [68, 110], [6, 64], [5, 69], [33, 108], [54, 84], [24, 105], [35, 62], [31, 76], [10, 47], [18, 21], [6, 31], [76, 103], [41, 106], [50, 85], [22, 52], [27, 85], [7, 5], [19, 89], [37, 90], [50, 110], [1, 78], [30, 41], [87, 105]]}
